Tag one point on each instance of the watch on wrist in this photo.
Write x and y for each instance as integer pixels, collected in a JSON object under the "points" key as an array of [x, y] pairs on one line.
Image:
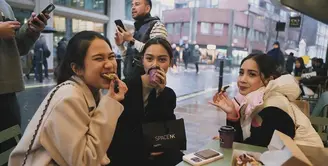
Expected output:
{"points": [[132, 42]]}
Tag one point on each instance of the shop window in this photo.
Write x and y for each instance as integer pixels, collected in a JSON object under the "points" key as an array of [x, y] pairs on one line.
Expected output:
{"points": [[205, 28]]}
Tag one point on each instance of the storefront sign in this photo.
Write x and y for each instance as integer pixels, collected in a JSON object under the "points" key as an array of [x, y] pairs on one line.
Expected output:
{"points": [[295, 22]]}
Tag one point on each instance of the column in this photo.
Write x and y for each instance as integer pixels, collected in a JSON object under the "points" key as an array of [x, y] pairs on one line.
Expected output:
{"points": [[39, 6], [251, 30], [230, 32], [116, 10]]}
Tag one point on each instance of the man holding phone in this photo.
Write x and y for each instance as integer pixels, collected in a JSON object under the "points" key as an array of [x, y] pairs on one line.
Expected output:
{"points": [[15, 40], [146, 27]]}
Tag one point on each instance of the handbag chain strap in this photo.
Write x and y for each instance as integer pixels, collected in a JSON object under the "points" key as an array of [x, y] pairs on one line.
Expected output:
{"points": [[40, 121]]}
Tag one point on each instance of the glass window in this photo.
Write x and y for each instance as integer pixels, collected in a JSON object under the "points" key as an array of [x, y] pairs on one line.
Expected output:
{"points": [[214, 2], [239, 31], [205, 28], [257, 35], [60, 23], [244, 32], [177, 28], [192, 4], [169, 28], [82, 25], [186, 28], [277, 10], [218, 29], [92, 5], [317, 40], [128, 10], [78, 3], [235, 30], [254, 2]]}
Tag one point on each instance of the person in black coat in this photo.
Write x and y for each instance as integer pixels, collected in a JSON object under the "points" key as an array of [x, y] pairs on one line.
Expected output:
{"points": [[278, 56], [186, 55], [290, 63], [147, 100]]}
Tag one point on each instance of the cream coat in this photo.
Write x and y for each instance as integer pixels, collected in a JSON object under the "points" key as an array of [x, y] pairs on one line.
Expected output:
{"points": [[281, 93], [74, 130]]}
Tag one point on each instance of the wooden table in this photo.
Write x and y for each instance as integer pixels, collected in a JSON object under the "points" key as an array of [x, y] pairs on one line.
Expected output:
{"points": [[226, 161]]}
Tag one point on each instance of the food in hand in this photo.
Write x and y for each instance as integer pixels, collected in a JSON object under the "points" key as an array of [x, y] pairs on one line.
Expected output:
{"points": [[224, 88], [110, 76], [247, 160]]}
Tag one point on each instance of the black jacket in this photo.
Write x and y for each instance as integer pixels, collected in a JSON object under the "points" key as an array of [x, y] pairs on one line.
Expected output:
{"points": [[273, 118], [127, 145]]}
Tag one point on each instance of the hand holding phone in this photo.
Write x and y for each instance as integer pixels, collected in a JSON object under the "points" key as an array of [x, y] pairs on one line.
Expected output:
{"points": [[43, 15], [120, 24]]}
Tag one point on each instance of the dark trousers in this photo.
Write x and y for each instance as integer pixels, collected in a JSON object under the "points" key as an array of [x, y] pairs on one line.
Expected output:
{"points": [[9, 116], [186, 63], [39, 71], [197, 68]]}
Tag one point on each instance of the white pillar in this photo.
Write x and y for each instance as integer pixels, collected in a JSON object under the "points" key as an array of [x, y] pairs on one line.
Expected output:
{"points": [[39, 6], [116, 10]]}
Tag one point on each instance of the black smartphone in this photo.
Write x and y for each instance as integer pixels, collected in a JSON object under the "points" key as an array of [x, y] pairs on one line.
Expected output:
{"points": [[46, 10], [120, 24], [207, 154]]}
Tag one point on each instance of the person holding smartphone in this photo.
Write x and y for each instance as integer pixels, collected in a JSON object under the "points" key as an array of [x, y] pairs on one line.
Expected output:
{"points": [[15, 40], [146, 27]]}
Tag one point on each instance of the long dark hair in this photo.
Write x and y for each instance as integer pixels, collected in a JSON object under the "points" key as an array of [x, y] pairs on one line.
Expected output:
{"points": [[299, 71], [158, 40], [266, 64], [76, 51]]}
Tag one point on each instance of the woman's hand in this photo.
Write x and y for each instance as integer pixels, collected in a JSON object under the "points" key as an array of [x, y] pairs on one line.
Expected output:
{"points": [[222, 101], [122, 89], [161, 84]]}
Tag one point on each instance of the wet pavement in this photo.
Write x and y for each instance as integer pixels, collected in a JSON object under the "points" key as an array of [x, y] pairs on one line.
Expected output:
{"points": [[193, 90]]}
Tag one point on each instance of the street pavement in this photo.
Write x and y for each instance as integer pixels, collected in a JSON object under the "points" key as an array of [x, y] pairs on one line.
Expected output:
{"points": [[193, 90]]}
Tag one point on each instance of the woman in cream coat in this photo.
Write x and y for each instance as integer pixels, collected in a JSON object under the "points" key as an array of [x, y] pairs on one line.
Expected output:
{"points": [[266, 105], [75, 125]]}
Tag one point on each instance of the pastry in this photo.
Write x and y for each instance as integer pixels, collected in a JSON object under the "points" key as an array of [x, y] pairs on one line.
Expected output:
{"points": [[110, 76], [247, 160]]}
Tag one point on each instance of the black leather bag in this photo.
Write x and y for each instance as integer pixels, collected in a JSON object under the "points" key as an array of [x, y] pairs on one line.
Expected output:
{"points": [[167, 135]]}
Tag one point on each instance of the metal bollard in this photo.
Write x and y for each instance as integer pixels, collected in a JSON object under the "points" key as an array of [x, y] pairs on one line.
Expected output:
{"points": [[119, 67], [221, 75]]}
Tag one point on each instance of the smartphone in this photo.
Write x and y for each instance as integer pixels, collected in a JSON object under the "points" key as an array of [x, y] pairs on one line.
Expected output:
{"points": [[46, 10], [120, 24]]}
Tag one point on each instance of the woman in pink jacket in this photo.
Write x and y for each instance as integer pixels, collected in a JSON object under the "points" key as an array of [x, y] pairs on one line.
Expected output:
{"points": [[72, 123]]}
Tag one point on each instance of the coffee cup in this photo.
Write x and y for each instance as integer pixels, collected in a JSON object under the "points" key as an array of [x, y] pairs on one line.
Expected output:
{"points": [[227, 135], [152, 74]]}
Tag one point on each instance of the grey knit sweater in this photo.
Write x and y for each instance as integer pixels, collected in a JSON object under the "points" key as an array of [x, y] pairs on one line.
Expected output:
{"points": [[11, 79]]}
